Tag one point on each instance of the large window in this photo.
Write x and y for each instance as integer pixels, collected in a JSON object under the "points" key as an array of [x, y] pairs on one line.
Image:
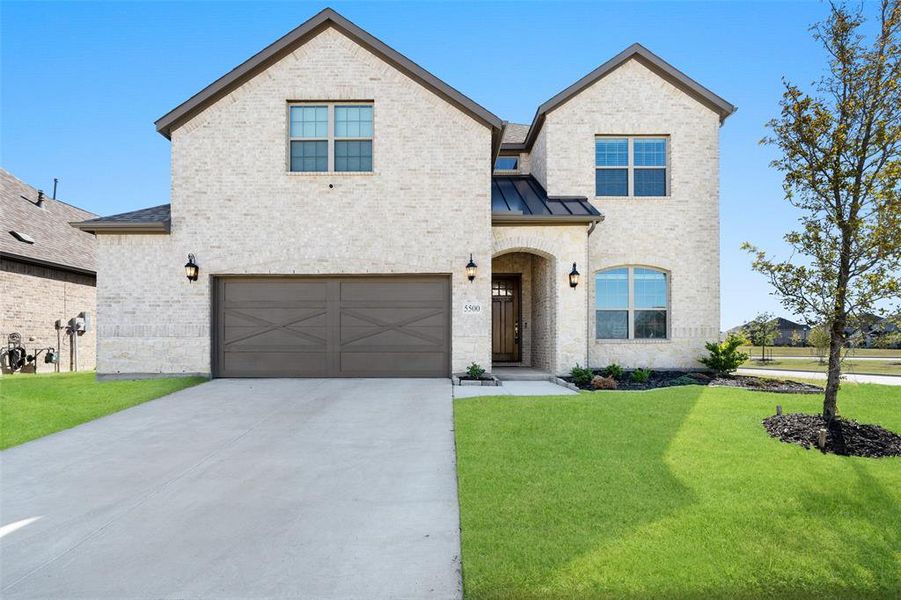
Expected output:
{"points": [[330, 137], [630, 166], [631, 303]]}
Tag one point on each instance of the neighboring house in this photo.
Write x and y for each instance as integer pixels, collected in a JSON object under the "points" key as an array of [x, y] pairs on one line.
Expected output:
{"points": [[873, 331], [785, 332], [47, 273], [333, 192]]}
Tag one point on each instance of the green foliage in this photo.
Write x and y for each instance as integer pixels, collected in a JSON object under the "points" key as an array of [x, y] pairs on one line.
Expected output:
{"points": [[684, 380], [840, 146], [888, 340], [762, 331], [581, 375], [724, 357], [641, 375], [613, 370], [475, 371], [819, 338]]}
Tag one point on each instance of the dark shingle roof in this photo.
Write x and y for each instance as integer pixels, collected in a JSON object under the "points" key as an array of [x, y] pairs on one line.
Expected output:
{"points": [[147, 220], [521, 199], [55, 243]]}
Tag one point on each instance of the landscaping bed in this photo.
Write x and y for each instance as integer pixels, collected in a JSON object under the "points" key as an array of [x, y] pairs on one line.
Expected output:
{"points": [[843, 436], [662, 379]]}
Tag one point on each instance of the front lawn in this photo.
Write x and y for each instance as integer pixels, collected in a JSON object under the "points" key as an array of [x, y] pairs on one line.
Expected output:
{"points": [[32, 406], [672, 493]]}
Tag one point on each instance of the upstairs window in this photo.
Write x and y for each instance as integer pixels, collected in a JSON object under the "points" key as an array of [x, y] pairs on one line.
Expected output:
{"points": [[506, 163], [631, 303], [630, 166], [330, 137]]}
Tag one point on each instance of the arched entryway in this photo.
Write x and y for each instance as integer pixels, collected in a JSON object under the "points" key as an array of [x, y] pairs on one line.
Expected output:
{"points": [[523, 309]]}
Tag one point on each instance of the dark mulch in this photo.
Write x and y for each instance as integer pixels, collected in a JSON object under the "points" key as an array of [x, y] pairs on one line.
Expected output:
{"points": [[661, 379], [843, 436]]}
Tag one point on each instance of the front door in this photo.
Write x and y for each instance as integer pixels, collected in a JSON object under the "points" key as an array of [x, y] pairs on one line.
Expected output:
{"points": [[505, 302]]}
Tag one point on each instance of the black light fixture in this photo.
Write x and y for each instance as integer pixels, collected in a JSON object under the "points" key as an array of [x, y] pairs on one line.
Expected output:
{"points": [[191, 269], [573, 277], [471, 269]]}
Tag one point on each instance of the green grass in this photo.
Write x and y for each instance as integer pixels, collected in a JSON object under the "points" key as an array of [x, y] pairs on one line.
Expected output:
{"points": [[754, 351], [675, 493], [32, 406], [860, 367]]}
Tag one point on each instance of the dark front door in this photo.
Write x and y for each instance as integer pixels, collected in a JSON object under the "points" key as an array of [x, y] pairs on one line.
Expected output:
{"points": [[332, 327], [505, 301]]}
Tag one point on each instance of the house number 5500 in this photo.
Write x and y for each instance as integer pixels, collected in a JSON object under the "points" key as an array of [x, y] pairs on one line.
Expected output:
{"points": [[472, 309]]}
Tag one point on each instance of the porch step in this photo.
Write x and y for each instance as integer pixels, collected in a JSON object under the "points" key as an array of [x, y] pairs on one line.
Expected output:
{"points": [[520, 374]]}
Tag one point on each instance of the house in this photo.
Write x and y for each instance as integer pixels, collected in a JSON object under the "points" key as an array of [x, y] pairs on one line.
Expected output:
{"points": [[786, 332], [47, 274], [351, 215]]}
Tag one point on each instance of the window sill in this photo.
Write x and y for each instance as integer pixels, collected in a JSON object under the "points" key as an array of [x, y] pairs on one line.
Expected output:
{"points": [[331, 173], [632, 197], [633, 341]]}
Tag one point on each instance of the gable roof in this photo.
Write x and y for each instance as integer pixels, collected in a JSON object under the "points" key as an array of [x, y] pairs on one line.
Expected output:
{"points": [[646, 58], [146, 220], [297, 37], [43, 235]]}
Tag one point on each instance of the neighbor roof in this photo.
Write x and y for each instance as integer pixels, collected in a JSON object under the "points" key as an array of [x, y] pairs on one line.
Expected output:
{"points": [[521, 199], [54, 243], [297, 37], [645, 57], [146, 220]]}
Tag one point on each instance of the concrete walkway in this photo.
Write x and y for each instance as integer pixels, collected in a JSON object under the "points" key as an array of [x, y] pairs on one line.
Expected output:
{"points": [[241, 489], [514, 388], [880, 379]]}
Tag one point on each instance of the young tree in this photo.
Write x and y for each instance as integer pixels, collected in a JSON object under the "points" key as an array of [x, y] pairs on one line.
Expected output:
{"points": [[762, 332], [796, 339], [841, 161], [819, 338]]}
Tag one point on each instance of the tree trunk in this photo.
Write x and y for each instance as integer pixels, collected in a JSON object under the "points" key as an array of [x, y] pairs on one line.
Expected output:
{"points": [[834, 372]]}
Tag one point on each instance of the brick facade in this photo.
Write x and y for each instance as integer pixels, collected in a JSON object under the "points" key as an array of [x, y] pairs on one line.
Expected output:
{"points": [[423, 209], [34, 297]]}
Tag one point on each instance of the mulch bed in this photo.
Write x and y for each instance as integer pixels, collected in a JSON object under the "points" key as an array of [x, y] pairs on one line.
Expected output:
{"points": [[843, 436], [660, 379]]}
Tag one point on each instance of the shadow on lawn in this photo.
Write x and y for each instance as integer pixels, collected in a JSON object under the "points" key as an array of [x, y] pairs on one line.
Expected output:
{"points": [[596, 471]]}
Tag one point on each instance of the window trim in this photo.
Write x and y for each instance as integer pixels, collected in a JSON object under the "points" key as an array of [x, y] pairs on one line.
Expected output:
{"points": [[331, 137], [630, 163], [630, 309]]}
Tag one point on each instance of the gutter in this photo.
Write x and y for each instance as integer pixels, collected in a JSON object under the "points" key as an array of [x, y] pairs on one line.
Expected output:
{"points": [[47, 263], [112, 227], [513, 219]]}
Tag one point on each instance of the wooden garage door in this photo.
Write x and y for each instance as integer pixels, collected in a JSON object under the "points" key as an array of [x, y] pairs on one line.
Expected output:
{"points": [[331, 327]]}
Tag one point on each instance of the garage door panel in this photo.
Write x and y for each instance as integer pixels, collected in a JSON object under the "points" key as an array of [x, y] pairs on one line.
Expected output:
{"points": [[291, 363], [332, 327], [404, 364]]}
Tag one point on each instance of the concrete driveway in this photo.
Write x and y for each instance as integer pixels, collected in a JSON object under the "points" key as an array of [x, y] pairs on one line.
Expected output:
{"points": [[241, 489]]}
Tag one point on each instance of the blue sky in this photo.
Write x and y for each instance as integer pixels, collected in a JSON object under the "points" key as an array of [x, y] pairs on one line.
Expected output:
{"points": [[82, 84]]}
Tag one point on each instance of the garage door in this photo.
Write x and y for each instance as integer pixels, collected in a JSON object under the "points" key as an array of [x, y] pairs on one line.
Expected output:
{"points": [[331, 327]]}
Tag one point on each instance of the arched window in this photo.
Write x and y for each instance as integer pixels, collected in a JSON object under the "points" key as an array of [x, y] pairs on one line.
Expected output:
{"points": [[631, 303]]}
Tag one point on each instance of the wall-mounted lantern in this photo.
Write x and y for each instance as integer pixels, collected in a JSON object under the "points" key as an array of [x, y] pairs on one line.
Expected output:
{"points": [[191, 269], [471, 269], [573, 277]]}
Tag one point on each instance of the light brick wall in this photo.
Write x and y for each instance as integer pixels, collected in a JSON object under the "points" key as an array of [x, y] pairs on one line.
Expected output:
{"points": [[679, 233], [34, 297], [559, 312], [424, 208]]}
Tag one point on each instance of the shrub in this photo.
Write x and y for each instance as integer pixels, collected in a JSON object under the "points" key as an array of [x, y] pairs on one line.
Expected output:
{"points": [[614, 370], [641, 375], [724, 357], [684, 380], [581, 375], [599, 382], [475, 371]]}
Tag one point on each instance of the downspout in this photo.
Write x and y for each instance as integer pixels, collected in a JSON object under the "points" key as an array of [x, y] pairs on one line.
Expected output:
{"points": [[588, 278]]}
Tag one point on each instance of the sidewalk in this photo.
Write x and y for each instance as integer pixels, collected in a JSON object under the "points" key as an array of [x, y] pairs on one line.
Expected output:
{"points": [[880, 379]]}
